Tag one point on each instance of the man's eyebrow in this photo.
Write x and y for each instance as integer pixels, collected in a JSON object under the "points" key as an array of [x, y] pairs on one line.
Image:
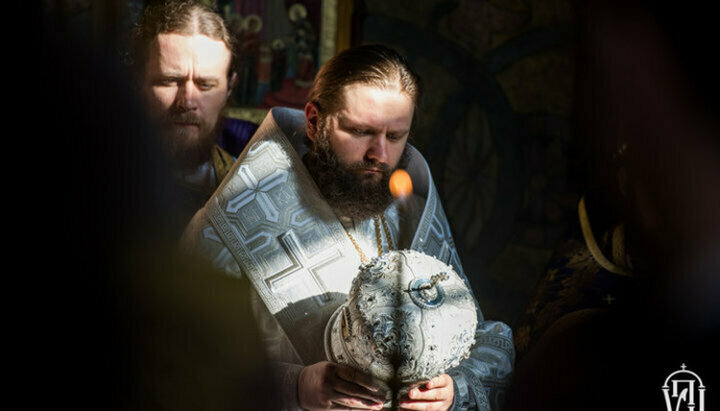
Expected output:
{"points": [[400, 132], [166, 74], [354, 125], [206, 79], [165, 77], [347, 123], [344, 121]]}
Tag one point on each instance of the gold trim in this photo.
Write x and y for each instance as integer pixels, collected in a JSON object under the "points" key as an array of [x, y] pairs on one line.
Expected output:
{"points": [[251, 114], [618, 244], [328, 30], [343, 36], [593, 246], [222, 161]]}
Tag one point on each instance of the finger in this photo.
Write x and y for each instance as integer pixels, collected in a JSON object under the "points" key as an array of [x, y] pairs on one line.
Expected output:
{"points": [[439, 394], [355, 404], [358, 377], [351, 389], [438, 382], [422, 405]]}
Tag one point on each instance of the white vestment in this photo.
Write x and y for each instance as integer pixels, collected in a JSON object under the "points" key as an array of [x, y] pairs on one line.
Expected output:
{"points": [[268, 222]]}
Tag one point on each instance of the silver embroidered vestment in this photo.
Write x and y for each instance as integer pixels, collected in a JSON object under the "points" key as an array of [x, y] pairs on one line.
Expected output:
{"points": [[268, 222]]}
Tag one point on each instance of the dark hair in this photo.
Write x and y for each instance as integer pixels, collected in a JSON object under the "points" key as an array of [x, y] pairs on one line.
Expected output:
{"points": [[376, 65], [176, 16]]}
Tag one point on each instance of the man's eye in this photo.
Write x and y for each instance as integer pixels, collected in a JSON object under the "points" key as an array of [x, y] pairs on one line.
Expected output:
{"points": [[360, 132], [205, 86], [394, 137], [165, 82]]}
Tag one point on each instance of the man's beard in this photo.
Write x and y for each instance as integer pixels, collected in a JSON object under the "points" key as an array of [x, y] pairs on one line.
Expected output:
{"points": [[347, 193], [188, 148]]}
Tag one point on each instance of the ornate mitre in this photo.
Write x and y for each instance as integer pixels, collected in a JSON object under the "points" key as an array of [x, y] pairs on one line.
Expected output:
{"points": [[408, 317]]}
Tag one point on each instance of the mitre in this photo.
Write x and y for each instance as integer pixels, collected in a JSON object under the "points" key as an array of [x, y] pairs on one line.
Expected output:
{"points": [[408, 318]]}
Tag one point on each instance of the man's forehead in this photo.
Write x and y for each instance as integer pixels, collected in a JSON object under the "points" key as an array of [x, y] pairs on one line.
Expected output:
{"points": [[175, 50], [370, 105]]}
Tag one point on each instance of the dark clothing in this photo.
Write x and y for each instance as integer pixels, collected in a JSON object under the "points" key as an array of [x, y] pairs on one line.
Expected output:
{"points": [[585, 274], [195, 188], [235, 135]]}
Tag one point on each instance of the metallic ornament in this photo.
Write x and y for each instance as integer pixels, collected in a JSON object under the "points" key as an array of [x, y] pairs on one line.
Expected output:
{"points": [[408, 317]]}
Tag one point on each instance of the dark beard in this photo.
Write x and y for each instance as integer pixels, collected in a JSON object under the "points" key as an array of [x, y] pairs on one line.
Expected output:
{"points": [[185, 150], [348, 194]]}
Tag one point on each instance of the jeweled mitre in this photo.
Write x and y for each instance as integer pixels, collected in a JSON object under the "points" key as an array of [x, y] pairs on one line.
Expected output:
{"points": [[408, 317]]}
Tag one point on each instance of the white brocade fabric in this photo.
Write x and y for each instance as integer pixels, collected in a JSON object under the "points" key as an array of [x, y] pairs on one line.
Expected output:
{"points": [[268, 222]]}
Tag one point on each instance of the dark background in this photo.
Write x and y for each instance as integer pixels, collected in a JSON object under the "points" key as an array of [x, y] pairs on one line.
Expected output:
{"points": [[524, 99]]}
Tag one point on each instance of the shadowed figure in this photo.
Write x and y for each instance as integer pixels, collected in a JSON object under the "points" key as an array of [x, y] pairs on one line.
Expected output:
{"points": [[132, 324], [643, 106]]}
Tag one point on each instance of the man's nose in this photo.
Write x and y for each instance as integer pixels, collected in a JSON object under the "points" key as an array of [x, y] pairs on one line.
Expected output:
{"points": [[378, 149], [186, 99]]}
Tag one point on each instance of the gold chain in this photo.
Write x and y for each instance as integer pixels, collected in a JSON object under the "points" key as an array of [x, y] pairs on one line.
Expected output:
{"points": [[378, 237], [363, 257], [387, 232]]}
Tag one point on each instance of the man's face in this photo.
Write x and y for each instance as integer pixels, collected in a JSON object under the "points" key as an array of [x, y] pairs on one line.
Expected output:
{"points": [[359, 146], [368, 134], [186, 87]]}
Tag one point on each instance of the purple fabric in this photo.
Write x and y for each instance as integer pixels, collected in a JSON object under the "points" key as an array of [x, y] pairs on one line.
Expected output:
{"points": [[235, 135]]}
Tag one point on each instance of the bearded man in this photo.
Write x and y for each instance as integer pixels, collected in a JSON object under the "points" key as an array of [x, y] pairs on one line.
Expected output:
{"points": [[297, 220], [183, 61]]}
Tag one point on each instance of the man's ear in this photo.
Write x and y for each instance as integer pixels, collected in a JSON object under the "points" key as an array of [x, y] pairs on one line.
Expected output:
{"points": [[231, 84], [312, 118]]}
